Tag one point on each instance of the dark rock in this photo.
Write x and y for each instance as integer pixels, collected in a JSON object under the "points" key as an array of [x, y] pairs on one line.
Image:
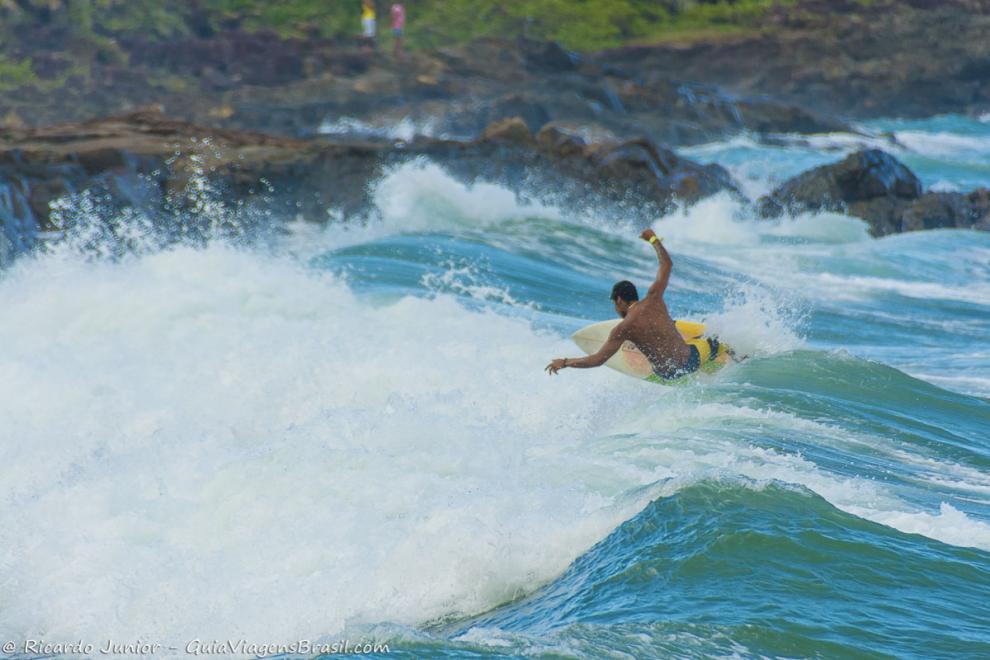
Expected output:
{"points": [[18, 227], [937, 210], [647, 164], [513, 130], [549, 56], [933, 211], [881, 190], [558, 143], [101, 160], [43, 193], [977, 70], [765, 116], [469, 120], [529, 110], [862, 176]]}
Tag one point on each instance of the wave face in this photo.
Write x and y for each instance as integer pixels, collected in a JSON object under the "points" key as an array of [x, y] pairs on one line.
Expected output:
{"points": [[349, 433]]}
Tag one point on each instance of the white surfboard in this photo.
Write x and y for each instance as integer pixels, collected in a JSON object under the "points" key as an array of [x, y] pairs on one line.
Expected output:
{"points": [[628, 359]]}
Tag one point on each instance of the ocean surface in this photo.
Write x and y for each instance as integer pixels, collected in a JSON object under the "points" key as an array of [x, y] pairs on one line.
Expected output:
{"points": [[347, 433]]}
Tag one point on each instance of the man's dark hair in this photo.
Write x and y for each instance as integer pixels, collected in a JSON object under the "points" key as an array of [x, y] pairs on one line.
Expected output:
{"points": [[625, 290]]}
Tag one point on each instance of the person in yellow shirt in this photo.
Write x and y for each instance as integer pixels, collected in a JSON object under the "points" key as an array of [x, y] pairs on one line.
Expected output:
{"points": [[368, 21]]}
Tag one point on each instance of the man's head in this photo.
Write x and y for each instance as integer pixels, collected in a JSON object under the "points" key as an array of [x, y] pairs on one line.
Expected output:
{"points": [[624, 294]]}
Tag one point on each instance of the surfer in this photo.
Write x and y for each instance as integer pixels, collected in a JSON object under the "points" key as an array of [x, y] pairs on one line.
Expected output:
{"points": [[647, 324]]}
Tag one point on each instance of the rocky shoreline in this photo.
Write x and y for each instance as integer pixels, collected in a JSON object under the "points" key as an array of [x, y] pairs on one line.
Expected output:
{"points": [[803, 65], [258, 82], [158, 167], [847, 58], [303, 127]]}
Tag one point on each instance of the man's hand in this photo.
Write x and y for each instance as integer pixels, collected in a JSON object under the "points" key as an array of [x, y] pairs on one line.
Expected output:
{"points": [[663, 273], [556, 366]]}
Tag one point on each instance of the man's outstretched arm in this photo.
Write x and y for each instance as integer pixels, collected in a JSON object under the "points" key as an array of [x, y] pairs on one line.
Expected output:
{"points": [[663, 273], [608, 349]]}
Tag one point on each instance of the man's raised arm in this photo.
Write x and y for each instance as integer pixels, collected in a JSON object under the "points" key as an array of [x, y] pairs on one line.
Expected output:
{"points": [[663, 273]]}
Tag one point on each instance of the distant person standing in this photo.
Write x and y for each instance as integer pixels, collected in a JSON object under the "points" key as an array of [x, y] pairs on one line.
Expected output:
{"points": [[368, 21], [398, 27]]}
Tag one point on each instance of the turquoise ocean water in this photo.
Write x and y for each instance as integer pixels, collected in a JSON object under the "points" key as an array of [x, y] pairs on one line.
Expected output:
{"points": [[349, 434]]}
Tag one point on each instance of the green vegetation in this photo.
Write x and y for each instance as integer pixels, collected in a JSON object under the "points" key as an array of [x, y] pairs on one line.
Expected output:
{"points": [[577, 24], [290, 18], [707, 21], [76, 35], [15, 74], [585, 25], [742, 14]]}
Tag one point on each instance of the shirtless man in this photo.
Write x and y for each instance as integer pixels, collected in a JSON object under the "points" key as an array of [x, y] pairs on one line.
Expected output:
{"points": [[647, 324]]}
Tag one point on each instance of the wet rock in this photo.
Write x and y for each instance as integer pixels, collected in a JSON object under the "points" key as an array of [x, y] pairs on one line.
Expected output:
{"points": [[655, 172], [529, 110], [648, 164], [43, 193], [549, 56], [470, 120], [843, 57], [159, 166], [862, 176], [513, 130], [563, 168], [764, 117], [937, 210], [876, 187], [18, 227], [100, 160], [559, 143]]}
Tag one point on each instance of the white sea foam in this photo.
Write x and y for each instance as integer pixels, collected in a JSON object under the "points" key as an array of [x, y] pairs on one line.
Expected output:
{"points": [[720, 221], [858, 285], [759, 167], [942, 185], [405, 129], [933, 144], [212, 443], [756, 322], [949, 525], [421, 197], [711, 221], [680, 450], [975, 384], [465, 281], [945, 145]]}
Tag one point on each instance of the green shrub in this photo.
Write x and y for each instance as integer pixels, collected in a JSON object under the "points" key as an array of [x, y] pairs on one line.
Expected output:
{"points": [[15, 74]]}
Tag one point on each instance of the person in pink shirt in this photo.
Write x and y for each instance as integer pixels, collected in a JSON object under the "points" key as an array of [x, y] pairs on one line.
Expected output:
{"points": [[398, 26]]}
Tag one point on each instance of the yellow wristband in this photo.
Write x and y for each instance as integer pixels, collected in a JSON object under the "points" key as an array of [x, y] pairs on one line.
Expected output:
{"points": [[655, 239]]}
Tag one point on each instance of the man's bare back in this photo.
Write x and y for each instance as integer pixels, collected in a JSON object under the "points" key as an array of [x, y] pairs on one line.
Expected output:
{"points": [[646, 323]]}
